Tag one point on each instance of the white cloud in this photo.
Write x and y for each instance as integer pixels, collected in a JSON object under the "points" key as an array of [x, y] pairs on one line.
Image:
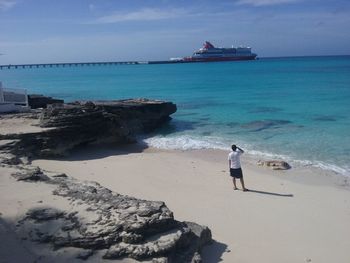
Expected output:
{"points": [[146, 14], [264, 2], [6, 4]]}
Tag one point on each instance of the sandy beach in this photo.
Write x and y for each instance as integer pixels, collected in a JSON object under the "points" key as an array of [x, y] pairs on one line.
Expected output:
{"points": [[298, 215], [117, 119]]}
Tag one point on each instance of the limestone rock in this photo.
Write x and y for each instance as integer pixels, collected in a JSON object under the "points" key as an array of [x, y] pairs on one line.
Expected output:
{"points": [[70, 125], [124, 226], [275, 164], [36, 101], [98, 219], [41, 215], [9, 159], [60, 175], [30, 175]]}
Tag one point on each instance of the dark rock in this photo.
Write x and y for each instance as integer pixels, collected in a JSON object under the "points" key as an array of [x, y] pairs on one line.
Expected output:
{"points": [[203, 233], [31, 175], [36, 101], [178, 246], [325, 118], [261, 125], [44, 214], [131, 238], [265, 110], [10, 159], [82, 123], [120, 225], [63, 175], [125, 226], [275, 164]]}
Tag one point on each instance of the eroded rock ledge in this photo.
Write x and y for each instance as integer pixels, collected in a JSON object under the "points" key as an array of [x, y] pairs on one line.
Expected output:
{"points": [[97, 220], [65, 126], [120, 225]]}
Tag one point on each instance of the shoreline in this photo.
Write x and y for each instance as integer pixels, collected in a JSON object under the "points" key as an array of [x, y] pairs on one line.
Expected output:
{"points": [[340, 174], [160, 143], [296, 215], [290, 216]]}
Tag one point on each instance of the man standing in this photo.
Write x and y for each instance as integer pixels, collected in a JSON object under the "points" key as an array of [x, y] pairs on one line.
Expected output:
{"points": [[235, 166]]}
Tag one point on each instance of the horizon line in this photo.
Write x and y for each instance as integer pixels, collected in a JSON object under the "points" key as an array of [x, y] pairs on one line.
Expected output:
{"points": [[146, 61]]}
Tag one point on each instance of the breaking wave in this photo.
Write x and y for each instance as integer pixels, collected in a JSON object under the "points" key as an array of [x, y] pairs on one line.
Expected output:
{"points": [[187, 142]]}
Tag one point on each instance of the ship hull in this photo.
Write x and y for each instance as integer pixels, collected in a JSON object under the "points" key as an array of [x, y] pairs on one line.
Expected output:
{"points": [[216, 59]]}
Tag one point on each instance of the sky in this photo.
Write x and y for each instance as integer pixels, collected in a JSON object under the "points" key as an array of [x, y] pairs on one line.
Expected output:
{"points": [[44, 31]]}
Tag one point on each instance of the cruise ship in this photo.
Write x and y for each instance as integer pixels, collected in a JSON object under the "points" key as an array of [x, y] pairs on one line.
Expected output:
{"points": [[210, 53]]}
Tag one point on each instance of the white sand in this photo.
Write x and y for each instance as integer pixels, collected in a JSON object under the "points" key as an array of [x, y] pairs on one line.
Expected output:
{"points": [[17, 197], [266, 225], [11, 124]]}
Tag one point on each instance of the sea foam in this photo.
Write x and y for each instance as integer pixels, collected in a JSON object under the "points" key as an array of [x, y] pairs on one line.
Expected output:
{"points": [[184, 142], [188, 142]]}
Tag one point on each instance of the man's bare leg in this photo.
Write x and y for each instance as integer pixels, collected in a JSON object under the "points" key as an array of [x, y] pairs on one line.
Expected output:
{"points": [[242, 183], [234, 183]]}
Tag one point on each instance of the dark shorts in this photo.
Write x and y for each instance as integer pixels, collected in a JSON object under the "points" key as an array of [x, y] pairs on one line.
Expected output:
{"points": [[236, 173]]}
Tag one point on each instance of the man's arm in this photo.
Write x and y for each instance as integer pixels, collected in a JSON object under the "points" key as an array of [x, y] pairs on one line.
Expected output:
{"points": [[229, 164], [240, 149]]}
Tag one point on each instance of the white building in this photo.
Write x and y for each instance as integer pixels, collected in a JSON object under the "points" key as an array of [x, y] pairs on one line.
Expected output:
{"points": [[13, 100]]}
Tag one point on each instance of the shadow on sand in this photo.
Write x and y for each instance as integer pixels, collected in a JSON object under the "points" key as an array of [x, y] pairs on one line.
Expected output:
{"points": [[14, 248], [270, 193], [213, 252], [100, 151]]}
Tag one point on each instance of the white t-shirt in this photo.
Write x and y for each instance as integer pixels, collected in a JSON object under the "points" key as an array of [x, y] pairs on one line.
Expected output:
{"points": [[234, 157]]}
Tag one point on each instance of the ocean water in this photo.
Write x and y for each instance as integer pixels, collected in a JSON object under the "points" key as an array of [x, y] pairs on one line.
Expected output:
{"points": [[297, 109]]}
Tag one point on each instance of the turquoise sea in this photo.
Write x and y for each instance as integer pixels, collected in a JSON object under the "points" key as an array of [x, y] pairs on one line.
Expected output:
{"points": [[294, 108]]}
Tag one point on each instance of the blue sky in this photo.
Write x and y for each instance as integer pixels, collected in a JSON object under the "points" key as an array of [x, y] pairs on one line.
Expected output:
{"points": [[41, 31]]}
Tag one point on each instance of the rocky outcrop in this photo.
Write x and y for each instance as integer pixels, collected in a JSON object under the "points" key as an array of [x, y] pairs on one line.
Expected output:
{"points": [[119, 225], [36, 101], [275, 164], [97, 221], [31, 175], [69, 125]]}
